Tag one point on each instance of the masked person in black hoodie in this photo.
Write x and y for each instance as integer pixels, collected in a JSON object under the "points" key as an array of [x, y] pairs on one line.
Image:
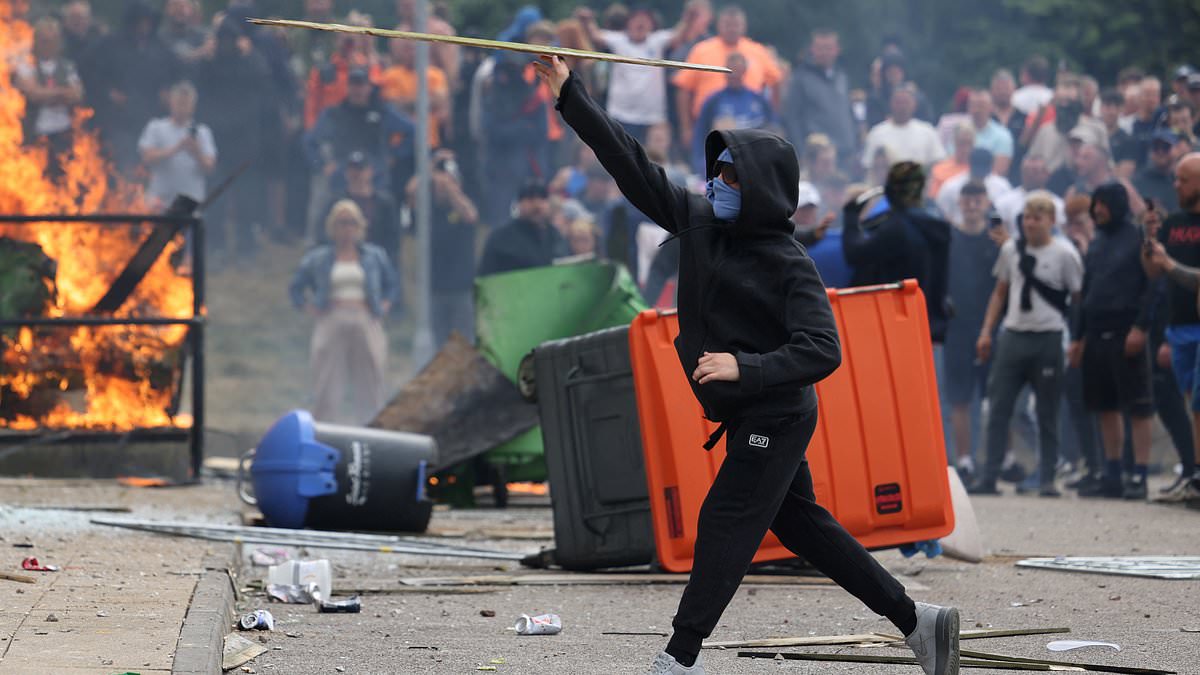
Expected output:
{"points": [[1110, 337], [756, 332]]}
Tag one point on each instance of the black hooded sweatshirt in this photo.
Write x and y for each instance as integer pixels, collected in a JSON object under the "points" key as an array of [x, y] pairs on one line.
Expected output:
{"points": [[745, 287], [906, 243], [1117, 295]]}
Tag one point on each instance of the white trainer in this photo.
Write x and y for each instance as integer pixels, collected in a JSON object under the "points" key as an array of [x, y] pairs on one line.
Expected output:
{"points": [[665, 664], [935, 639]]}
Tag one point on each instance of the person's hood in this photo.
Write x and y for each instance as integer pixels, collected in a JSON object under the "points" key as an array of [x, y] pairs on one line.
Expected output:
{"points": [[1113, 196], [135, 12], [768, 173], [526, 17]]}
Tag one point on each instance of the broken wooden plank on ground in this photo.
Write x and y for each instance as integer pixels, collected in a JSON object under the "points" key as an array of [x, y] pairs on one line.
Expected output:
{"points": [[21, 578], [873, 639], [971, 659], [605, 579]]}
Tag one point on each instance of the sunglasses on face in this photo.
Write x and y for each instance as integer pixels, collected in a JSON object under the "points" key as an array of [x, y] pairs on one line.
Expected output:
{"points": [[726, 171]]}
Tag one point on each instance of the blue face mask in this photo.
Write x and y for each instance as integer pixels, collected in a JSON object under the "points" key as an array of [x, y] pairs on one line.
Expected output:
{"points": [[726, 201]]}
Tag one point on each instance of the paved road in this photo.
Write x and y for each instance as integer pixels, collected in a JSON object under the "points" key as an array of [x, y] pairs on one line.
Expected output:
{"points": [[445, 633]]}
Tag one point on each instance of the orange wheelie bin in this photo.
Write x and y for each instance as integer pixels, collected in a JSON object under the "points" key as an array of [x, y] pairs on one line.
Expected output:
{"points": [[878, 457]]}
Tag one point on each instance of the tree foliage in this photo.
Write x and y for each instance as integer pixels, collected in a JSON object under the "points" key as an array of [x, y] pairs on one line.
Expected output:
{"points": [[948, 42]]}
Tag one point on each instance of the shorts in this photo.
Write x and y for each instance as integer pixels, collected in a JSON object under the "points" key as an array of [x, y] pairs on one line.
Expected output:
{"points": [[1185, 341], [1115, 382], [962, 376]]}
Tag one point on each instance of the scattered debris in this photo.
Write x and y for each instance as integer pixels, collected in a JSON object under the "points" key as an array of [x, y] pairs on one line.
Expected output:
{"points": [[294, 594], [1026, 603], [1068, 645], [266, 557], [31, 564], [238, 650], [1157, 567], [488, 668], [340, 669], [348, 606], [259, 619], [1190, 630], [102, 613], [348, 541], [51, 618], [489, 613], [303, 573], [497, 662], [542, 624], [970, 660], [635, 632], [604, 579], [76, 507], [294, 635], [873, 639], [18, 578]]}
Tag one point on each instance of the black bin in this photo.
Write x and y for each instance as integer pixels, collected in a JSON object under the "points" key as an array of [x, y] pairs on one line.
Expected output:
{"points": [[593, 451], [335, 477]]}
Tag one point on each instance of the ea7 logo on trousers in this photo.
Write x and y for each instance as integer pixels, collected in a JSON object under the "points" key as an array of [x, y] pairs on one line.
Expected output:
{"points": [[759, 441]]}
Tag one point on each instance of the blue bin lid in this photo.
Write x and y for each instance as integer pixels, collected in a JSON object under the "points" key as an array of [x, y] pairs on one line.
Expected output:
{"points": [[290, 467]]}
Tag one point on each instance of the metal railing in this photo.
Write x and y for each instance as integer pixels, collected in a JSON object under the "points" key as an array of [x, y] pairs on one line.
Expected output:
{"points": [[193, 342]]}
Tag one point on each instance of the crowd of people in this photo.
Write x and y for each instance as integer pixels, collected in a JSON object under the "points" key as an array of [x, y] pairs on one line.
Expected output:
{"points": [[1026, 206]]}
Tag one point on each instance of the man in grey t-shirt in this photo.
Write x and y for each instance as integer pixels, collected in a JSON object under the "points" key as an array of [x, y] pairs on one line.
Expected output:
{"points": [[178, 151], [1034, 280]]}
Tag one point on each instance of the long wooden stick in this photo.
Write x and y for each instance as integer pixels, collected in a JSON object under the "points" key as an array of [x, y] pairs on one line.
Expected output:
{"points": [[489, 44]]}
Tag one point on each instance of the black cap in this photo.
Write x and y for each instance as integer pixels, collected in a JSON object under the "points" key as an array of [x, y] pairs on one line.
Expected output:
{"points": [[358, 76], [533, 189], [357, 160]]}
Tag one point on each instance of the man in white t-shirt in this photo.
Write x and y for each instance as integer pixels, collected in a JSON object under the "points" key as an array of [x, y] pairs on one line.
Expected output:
{"points": [[1034, 93], [1034, 176], [905, 138], [637, 95], [1038, 278], [979, 169], [178, 151]]}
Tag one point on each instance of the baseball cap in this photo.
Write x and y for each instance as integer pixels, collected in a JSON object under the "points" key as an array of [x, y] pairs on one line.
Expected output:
{"points": [[357, 159], [1184, 72], [358, 76], [1165, 136], [980, 161], [1090, 135], [809, 196], [533, 189]]}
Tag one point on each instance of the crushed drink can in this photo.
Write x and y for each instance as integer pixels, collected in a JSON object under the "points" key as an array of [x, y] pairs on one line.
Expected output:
{"points": [[348, 606], [259, 619], [542, 624]]}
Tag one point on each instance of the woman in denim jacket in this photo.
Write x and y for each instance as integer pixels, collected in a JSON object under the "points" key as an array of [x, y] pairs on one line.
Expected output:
{"points": [[348, 285]]}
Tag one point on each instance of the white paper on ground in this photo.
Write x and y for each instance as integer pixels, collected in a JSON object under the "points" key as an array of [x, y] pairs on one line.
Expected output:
{"points": [[1068, 645]]}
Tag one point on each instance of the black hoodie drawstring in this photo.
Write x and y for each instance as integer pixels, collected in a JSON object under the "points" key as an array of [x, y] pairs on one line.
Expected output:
{"points": [[686, 230], [715, 437]]}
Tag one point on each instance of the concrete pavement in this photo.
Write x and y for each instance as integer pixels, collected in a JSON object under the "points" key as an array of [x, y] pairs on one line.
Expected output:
{"points": [[122, 598]]}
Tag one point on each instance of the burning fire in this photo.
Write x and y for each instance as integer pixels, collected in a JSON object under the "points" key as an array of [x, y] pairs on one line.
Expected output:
{"points": [[112, 377]]}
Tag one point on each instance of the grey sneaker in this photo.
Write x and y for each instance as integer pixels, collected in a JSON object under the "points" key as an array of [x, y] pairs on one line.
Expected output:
{"points": [[935, 639], [665, 664]]}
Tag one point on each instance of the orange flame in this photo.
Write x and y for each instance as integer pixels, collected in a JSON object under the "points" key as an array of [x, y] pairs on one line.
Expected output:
{"points": [[113, 377]]}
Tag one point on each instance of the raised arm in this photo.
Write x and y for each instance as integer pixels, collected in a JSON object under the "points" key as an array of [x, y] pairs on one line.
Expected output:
{"points": [[643, 182]]}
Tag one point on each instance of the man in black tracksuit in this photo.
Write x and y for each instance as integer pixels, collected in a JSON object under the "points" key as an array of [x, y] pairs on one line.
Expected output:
{"points": [[756, 332]]}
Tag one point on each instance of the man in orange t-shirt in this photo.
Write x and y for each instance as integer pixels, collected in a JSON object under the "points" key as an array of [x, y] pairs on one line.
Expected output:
{"points": [[398, 85], [694, 87]]}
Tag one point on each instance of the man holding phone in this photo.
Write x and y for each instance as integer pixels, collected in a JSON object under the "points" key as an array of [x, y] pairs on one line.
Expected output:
{"points": [[1180, 239]]}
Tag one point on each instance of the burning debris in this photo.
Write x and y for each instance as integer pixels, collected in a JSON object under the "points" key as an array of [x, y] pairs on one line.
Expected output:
{"points": [[94, 377]]}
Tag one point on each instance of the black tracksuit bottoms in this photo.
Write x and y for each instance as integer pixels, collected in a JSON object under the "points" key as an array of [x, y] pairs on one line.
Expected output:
{"points": [[764, 483]]}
